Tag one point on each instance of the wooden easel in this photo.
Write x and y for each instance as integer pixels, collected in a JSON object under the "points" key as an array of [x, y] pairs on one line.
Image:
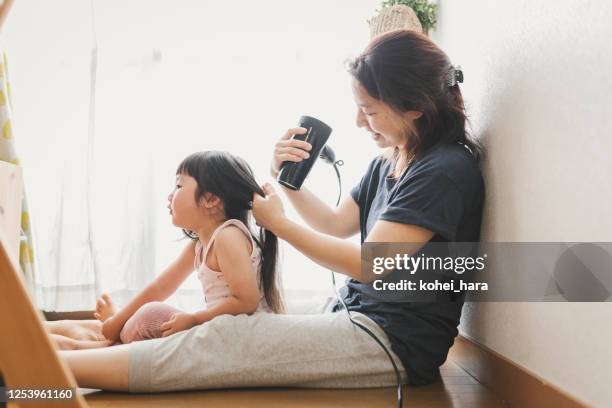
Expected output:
{"points": [[27, 356]]}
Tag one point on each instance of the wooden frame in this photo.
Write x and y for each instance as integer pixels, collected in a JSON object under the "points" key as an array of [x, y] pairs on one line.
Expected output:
{"points": [[27, 356]]}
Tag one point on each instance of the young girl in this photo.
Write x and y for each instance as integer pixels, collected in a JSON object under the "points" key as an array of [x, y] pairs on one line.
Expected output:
{"points": [[211, 203]]}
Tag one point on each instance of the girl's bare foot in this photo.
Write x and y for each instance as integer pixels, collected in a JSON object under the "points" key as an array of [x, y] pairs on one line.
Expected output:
{"points": [[105, 308]]}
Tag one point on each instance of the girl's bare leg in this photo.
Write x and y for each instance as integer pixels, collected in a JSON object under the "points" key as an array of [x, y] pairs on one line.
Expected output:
{"points": [[103, 368]]}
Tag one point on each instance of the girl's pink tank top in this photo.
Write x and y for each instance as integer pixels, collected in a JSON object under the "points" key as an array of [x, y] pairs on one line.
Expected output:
{"points": [[214, 285]]}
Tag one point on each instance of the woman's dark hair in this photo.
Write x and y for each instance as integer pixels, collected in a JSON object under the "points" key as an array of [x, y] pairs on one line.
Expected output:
{"points": [[231, 179], [408, 72]]}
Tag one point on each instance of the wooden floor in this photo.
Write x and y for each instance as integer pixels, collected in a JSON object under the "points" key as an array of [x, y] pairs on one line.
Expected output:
{"points": [[457, 390]]}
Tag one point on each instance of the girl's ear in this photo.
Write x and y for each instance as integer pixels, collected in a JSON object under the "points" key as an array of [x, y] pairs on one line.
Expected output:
{"points": [[210, 200]]}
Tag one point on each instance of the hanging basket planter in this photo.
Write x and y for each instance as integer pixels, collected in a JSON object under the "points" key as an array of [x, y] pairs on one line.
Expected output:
{"points": [[397, 17]]}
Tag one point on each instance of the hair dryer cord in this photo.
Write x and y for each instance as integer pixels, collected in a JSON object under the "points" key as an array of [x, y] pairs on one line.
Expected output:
{"points": [[328, 156]]}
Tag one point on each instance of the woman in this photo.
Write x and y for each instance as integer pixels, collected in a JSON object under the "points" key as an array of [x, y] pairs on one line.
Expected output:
{"points": [[425, 187]]}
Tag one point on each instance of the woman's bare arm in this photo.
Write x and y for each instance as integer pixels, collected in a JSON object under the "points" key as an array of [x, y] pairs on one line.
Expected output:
{"points": [[333, 253], [341, 255], [341, 222]]}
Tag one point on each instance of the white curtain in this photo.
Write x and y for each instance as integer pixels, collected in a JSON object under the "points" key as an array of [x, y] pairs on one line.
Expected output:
{"points": [[171, 78]]}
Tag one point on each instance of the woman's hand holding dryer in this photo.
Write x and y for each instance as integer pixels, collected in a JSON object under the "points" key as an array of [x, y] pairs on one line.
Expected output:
{"points": [[288, 149]]}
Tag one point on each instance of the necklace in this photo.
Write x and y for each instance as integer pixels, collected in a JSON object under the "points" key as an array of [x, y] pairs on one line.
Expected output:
{"points": [[395, 187], [408, 163]]}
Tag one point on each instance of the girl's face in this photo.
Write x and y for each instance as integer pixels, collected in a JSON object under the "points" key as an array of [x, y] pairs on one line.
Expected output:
{"points": [[387, 127], [186, 212]]}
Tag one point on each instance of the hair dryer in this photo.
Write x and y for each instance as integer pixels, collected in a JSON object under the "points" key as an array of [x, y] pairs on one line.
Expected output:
{"points": [[292, 174]]}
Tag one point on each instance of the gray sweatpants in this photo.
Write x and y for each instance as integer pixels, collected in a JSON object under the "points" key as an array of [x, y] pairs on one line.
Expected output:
{"points": [[302, 350]]}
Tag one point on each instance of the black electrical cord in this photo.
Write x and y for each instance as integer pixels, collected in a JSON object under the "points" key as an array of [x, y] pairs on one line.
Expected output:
{"points": [[336, 164], [400, 395], [328, 155]]}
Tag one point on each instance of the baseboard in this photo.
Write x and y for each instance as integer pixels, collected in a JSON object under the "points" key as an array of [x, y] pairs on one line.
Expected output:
{"points": [[77, 315], [517, 386]]}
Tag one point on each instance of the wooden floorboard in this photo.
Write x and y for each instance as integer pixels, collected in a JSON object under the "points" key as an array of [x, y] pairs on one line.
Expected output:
{"points": [[457, 389]]}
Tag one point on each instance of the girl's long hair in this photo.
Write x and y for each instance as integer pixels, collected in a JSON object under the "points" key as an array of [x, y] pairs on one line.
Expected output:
{"points": [[409, 72], [231, 179]]}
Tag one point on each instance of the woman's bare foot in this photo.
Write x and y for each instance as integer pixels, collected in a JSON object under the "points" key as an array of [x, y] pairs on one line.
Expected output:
{"points": [[76, 329], [67, 343], [105, 308]]}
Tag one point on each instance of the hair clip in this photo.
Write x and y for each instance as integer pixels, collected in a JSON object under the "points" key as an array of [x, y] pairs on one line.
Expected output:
{"points": [[250, 205], [455, 76]]}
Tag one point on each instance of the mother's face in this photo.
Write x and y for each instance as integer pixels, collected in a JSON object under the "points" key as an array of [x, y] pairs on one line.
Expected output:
{"points": [[387, 127]]}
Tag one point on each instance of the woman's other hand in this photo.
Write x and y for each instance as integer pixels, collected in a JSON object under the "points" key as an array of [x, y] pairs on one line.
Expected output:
{"points": [[288, 149], [268, 211]]}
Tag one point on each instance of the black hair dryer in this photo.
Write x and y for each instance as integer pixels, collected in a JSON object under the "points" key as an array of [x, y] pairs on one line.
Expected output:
{"points": [[292, 174]]}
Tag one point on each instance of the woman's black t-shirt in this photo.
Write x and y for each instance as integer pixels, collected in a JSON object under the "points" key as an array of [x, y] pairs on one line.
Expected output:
{"points": [[441, 191]]}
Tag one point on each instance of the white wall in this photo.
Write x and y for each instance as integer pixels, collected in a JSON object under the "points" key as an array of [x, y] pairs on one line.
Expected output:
{"points": [[538, 81]]}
